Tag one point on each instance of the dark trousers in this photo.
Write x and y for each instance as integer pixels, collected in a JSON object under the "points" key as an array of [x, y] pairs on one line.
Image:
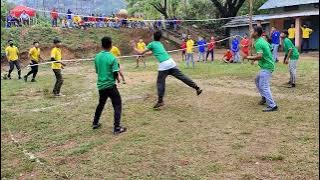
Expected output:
{"points": [[59, 81], [305, 45], [210, 52], [161, 82], [12, 64], [115, 97], [34, 69], [293, 41]]}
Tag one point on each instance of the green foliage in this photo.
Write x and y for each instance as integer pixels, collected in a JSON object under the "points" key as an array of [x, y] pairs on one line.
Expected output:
{"points": [[255, 10], [199, 9]]}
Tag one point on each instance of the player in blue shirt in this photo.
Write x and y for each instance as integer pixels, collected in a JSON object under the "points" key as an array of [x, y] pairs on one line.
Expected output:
{"points": [[275, 41], [235, 50], [202, 48]]}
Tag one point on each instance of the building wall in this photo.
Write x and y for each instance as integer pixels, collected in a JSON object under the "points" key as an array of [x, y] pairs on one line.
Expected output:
{"points": [[311, 21], [243, 30]]}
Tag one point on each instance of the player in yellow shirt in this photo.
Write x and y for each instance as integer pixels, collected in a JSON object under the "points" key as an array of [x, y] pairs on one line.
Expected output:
{"points": [[189, 51], [12, 54], [34, 55], [306, 32], [57, 66], [116, 52], [141, 46], [292, 33]]}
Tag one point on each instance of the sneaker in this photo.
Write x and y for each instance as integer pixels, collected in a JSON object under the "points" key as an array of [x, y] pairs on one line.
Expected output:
{"points": [[292, 86], [199, 91], [119, 130], [270, 109], [59, 95], [263, 101], [158, 104], [33, 80], [96, 126], [9, 76], [19, 77], [289, 82], [25, 78], [123, 82]]}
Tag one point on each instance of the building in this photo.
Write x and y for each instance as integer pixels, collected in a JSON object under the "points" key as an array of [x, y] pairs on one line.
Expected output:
{"points": [[282, 14]]}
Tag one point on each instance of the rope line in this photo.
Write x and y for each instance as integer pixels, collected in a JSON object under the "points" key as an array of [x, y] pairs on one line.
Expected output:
{"points": [[129, 56], [146, 20]]}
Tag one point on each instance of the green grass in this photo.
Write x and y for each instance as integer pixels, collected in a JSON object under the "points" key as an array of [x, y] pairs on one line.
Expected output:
{"points": [[222, 134]]}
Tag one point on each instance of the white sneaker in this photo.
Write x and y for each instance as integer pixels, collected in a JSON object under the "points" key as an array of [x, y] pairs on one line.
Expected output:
{"points": [[59, 95]]}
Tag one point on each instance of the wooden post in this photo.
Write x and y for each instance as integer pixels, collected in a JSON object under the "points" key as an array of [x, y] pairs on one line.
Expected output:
{"points": [[250, 24], [298, 32]]}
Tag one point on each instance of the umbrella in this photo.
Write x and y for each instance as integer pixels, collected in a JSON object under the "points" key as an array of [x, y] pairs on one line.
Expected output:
{"points": [[17, 11]]}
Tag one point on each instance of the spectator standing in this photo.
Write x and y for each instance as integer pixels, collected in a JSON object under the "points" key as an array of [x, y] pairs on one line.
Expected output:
{"points": [[306, 32], [54, 18], [235, 50], [69, 18], [211, 46], [245, 45], [201, 48], [275, 42], [292, 33]]}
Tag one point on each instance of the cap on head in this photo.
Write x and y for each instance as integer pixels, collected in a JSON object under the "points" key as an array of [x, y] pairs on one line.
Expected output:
{"points": [[10, 40]]}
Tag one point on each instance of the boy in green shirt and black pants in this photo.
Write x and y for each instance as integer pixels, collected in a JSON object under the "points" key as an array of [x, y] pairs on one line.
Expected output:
{"points": [[167, 66], [291, 53], [267, 65], [107, 69]]}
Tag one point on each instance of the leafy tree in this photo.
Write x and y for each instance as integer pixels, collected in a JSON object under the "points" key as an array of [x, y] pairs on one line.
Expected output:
{"points": [[227, 8], [256, 5], [162, 8]]}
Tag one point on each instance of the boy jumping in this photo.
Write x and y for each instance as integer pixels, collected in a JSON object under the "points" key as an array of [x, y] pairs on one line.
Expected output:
{"points": [[267, 65], [167, 66], [107, 69]]}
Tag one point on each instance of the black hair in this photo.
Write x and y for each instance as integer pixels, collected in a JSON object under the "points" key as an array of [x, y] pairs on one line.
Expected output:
{"points": [[106, 42], [35, 42], [285, 32], [258, 29], [10, 40], [157, 36]]}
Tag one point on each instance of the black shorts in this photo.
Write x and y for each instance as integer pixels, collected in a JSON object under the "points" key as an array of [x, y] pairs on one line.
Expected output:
{"points": [[118, 65]]}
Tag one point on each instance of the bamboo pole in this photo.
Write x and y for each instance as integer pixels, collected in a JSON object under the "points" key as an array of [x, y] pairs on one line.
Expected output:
{"points": [[250, 23]]}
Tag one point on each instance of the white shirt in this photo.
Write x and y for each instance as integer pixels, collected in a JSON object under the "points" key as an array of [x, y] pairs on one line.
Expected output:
{"points": [[24, 16], [168, 64]]}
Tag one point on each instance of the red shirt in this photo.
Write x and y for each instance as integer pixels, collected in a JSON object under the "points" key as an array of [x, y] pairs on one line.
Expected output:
{"points": [[245, 43], [92, 19], [54, 14], [183, 45], [211, 44], [228, 55]]}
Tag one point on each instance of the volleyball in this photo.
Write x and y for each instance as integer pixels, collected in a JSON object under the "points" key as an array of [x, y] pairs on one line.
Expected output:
{"points": [[123, 12]]}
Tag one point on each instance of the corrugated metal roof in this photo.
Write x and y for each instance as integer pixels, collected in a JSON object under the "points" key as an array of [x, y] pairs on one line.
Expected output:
{"points": [[243, 21], [282, 3], [286, 15]]}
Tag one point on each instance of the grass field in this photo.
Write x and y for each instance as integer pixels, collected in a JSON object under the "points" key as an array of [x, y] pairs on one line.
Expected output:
{"points": [[222, 134]]}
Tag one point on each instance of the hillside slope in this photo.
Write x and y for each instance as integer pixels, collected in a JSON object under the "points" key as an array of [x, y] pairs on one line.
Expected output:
{"points": [[76, 43]]}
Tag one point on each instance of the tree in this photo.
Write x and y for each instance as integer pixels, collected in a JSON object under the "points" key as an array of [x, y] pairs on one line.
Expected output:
{"points": [[256, 5], [228, 8], [161, 8]]}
